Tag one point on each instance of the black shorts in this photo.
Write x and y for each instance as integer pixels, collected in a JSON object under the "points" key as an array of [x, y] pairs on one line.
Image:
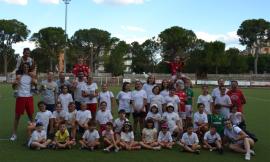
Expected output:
{"points": [[50, 107], [139, 114], [81, 130]]}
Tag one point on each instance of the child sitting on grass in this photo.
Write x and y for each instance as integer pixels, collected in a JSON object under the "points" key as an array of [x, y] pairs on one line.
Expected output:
{"points": [[90, 138], [109, 139], [212, 140], [127, 138], [149, 136], [38, 138], [83, 116], [61, 139], [164, 137]]}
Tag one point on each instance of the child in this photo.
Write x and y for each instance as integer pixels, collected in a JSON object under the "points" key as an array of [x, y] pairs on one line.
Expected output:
{"points": [[189, 101], [157, 99], [179, 91], [149, 136], [107, 96], [148, 87], [153, 114], [65, 98], [206, 99], [83, 116], [123, 99], [174, 99], [217, 120], [71, 118], [108, 137], [173, 120], [190, 141], [164, 137], [237, 118], [90, 138], [212, 140], [103, 116], [177, 65], [165, 87], [57, 117], [43, 116], [38, 138], [139, 101], [61, 139], [200, 121], [127, 138], [225, 102], [118, 124]]}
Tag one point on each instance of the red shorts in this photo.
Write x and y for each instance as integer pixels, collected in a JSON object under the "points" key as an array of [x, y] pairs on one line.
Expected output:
{"points": [[24, 103], [92, 107]]}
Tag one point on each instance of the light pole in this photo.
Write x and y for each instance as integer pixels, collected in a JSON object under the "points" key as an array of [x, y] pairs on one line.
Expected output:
{"points": [[65, 49]]}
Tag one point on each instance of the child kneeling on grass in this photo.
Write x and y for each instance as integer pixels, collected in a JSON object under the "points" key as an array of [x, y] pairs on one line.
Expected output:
{"points": [[38, 138], [164, 137], [149, 136], [61, 139], [190, 141], [212, 140], [109, 139], [127, 138], [90, 138]]}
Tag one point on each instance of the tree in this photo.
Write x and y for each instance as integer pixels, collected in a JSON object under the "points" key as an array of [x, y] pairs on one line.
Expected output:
{"points": [[236, 63], [253, 33], [92, 42], [51, 40], [176, 40], [11, 31], [117, 58]]}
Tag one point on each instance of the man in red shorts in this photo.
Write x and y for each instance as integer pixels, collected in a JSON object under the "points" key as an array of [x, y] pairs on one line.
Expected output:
{"points": [[24, 101], [237, 96]]}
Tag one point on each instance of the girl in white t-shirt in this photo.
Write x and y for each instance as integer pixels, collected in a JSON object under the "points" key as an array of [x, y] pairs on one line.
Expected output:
{"points": [[153, 114], [90, 138], [164, 137], [103, 116], [127, 138], [118, 124], [109, 139], [71, 119], [148, 86], [65, 98], [174, 99], [157, 99], [206, 99], [107, 96], [165, 87], [58, 116], [123, 99], [149, 136]]}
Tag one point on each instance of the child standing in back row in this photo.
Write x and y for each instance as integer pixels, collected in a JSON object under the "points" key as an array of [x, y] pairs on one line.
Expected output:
{"points": [[103, 116]]}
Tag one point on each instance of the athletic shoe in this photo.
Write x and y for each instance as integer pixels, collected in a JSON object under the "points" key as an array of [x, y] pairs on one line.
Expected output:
{"points": [[116, 150], [252, 152], [13, 137], [247, 156], [106, 150], [157, 148]]}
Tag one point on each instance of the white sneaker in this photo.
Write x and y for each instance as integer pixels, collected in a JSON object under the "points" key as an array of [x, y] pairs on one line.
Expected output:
{"points": [[252, 152], [247, 156], [13, 137], [157, 148]]}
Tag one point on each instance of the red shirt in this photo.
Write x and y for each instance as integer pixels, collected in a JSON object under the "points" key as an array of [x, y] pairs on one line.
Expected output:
{"points": [[80, 68], [237, 98], [183, 98], [176, 67]]}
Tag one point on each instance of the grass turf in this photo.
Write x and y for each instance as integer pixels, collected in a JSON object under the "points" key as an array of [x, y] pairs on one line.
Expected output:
{"points": [[256, 110]]}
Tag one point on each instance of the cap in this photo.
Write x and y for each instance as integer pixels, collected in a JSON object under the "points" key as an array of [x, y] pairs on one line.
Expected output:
{"points": [[170, 105], [164, 125], [154, 105]]}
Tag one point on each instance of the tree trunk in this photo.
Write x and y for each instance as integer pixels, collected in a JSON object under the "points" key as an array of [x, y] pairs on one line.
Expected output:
{"points": [[51, 65], [5, 66], [216, 69], [256, 62]]}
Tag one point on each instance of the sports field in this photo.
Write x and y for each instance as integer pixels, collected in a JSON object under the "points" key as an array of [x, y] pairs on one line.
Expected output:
{"points": [[257, 112]]}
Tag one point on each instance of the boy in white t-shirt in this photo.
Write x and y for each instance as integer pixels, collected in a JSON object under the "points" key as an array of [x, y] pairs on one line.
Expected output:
{"points": [[90, 138], [225, 102], [38, 138], [164, 137], [83, 116], [206, 99], [65, 98], [71, 119], [103, 116], [190, 141], [212, 140], [58, 116], [118, 124], [200, 121], [107, 96]]}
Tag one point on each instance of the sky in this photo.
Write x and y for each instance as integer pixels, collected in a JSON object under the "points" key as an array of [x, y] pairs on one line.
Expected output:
{"points": [[138, 20]]}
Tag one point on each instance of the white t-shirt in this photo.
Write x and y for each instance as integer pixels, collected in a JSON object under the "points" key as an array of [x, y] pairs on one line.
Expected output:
{"points": [[148, 89], [118, 124], [174, 100], [216, 92], [190, 139], [106, 96], [103, 117], [165, 137], [171, 118], [236, 118], [65, 99], [127, 137], [200, 118], [223, 100], [124, 101], [44, 117], [90, 89], [233, 133], [149, 134], [207, 101], [78, 91], [57, 115], [36, 136], [164, 93], [71, 116], [24, 88], [49, 92], [156, 117], [82, 117], [138, 98], [157, 99], [90, 136], [211, 138]]}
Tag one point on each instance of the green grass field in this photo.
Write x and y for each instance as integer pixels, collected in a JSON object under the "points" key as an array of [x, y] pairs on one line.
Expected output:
{"points": [[257, 111]]}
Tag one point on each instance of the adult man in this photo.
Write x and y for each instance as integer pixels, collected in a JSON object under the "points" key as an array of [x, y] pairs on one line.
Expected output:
{"points": [[62, 81], [216, 91], [24, 100], [236, 95], [77, 87], [49, 91]]}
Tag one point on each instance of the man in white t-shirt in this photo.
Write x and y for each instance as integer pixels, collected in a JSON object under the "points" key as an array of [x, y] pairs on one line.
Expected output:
{"points": [[77, 87], [239, 140], [212, 140], [217, 91], [224, 102]]}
